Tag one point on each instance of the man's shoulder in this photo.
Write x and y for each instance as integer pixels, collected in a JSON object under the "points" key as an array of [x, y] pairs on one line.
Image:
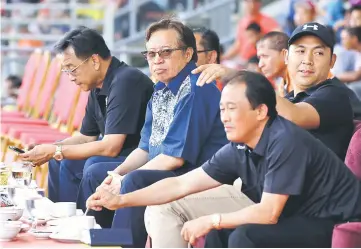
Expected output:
{"points": [[130, 77]]}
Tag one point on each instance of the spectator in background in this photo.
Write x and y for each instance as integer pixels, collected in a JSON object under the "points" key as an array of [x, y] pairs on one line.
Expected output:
{"points": [[271, 51], [305, 12], [355, 17], [253, 34], [351, 40], [208, 48], [241, 46], [11, 90], [252, 64]]}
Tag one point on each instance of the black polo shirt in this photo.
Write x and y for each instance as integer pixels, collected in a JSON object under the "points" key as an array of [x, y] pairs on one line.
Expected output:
{"points": [[289, 160], [336, 116], [119, 106]]}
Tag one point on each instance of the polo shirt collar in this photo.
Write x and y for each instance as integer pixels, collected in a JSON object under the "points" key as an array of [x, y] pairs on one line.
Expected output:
{"points": [[177, 81], [114, 64], [308, 91]]}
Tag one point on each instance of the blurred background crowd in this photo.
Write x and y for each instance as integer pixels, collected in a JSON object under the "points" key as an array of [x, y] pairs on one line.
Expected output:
{"points": [[30, 24]]}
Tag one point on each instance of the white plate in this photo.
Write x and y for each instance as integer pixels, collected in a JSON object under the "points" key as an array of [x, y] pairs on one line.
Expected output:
{"points": [[24, 228], [39, 222], [58, 237], [41, 234]]}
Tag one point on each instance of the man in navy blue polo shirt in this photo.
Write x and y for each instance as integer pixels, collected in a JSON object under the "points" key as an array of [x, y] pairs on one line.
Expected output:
{"points": [[318, 104], [301, 189], [115, 111], [182, 127]]}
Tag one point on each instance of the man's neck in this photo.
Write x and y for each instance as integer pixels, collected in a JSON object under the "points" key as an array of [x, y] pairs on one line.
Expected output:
{"points": [[103, 71], [257, 134]]}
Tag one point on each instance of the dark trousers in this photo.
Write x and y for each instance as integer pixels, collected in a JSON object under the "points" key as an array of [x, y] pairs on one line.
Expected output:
{"points": [[65, 176], [294, 232], [133, 217], [93, 176]]}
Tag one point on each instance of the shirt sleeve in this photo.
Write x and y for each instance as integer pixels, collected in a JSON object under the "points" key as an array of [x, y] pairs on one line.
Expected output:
{"points": [[147, 129], [192, 123], [332, 104], [222, 166], [287, 168], [126, 99], [89, 125]]}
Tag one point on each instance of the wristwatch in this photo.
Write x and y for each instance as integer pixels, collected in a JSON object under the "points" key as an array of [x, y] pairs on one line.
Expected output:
{"points": [[58, 155], [216, 221]]}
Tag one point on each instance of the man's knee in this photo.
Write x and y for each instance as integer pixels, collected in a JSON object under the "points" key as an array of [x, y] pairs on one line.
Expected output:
{"points": [[241, 237], [92, 170], [91, 161]]}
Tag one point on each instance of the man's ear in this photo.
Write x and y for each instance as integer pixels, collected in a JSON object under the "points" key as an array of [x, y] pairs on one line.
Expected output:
{"points": [[285, 55], [333, 60], [95, 61], [262, 112], [212, 57]]}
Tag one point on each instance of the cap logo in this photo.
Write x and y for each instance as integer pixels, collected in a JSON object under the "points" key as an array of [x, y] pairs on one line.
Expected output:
{"points": [[315, 27]]}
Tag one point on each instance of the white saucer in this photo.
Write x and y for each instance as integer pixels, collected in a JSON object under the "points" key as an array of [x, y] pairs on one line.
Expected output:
{"points": [[60, 238], [41, 234]]}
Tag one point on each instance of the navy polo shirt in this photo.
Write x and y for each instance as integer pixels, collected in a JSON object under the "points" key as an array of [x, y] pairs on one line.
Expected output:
{"points": [[288, 160], [183, 120], [119, 106], [333, 105]]}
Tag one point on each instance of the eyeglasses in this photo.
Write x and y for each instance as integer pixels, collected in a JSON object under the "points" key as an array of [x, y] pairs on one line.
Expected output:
{"points": [[204, 51], [72, 72], [164, 53]]}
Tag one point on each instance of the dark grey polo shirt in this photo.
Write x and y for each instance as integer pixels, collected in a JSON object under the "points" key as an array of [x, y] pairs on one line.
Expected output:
{"points": [[119, 106], [332, 103], [289, 160]]}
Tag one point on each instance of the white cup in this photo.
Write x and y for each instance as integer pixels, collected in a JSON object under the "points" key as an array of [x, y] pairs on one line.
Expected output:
{"points": [[86, 222], [64, 209]]}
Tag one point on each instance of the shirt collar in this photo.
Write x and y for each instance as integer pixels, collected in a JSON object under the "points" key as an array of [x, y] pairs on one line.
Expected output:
{"points": [[177, 81], [308, 91], [114, 64]]}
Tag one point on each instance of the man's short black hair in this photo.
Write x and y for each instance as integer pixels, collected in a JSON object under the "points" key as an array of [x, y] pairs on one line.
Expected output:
{"points": [[259, 89], [85, 43], [15, 81], [355, 31], [210, 41], [277, 40], [355, 8], [254, 27], [186, 36]]}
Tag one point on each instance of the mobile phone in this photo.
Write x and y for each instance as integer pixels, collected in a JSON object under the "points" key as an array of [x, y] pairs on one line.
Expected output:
{"points": [[17, 150]]}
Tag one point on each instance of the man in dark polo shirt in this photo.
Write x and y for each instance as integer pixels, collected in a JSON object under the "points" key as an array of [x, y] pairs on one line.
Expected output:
{"points": [[318, 104], [301, 189], [115, 112]]}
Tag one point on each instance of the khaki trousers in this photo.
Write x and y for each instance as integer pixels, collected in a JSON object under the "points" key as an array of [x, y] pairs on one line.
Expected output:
{"points": [[164, 222]]}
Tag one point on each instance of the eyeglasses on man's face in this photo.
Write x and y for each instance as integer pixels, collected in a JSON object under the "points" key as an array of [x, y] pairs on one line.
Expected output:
{"points": [[72, 72], [163, 53]]}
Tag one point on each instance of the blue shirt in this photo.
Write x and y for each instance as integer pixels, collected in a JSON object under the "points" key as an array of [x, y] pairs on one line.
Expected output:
{"points": [[183, 120]]}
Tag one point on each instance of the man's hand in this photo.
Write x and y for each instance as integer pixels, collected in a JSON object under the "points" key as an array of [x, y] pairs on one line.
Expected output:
{"points": [[211, 72], [112, 184], [39, 155], [194, 229], [104, 198]]}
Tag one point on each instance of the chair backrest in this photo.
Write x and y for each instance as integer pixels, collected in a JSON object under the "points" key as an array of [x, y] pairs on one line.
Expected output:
{"points": [[66, 98], [79, 112], [39, 80], [28, 78], [43, 105], [353, 155]]}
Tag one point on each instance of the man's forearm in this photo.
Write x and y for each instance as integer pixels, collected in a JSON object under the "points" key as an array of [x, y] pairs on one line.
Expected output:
{"points": [[161, 192], [285, 108], [86, 150], [78, 139], [255, 214], [134, 161], [164, 162], [349, 77]]}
